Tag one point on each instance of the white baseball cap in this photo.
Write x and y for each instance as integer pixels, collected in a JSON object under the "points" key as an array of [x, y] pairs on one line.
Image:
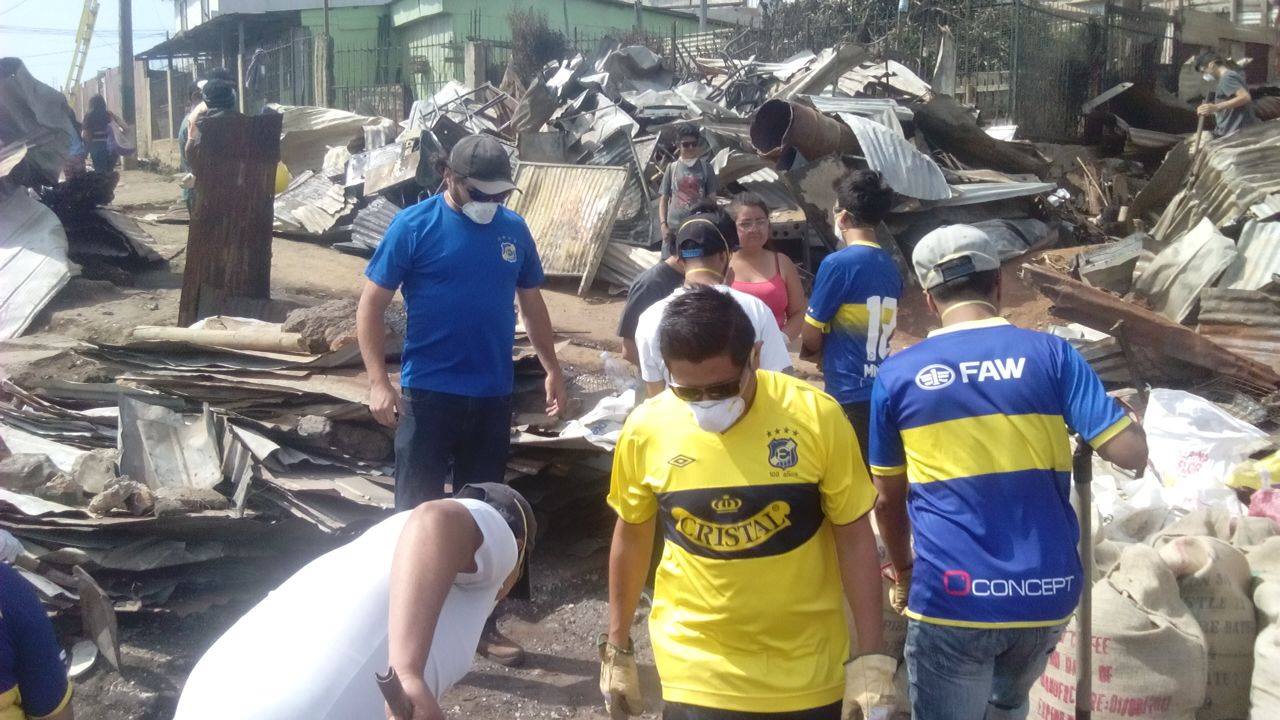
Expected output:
{"points": [[951, 252]]}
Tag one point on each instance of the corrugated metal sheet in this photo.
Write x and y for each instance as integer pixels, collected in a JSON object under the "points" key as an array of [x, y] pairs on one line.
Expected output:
{"points": [[33, 260], [1230, 176], [1259, 259], [371, 223], [1171, 282], [312, 203], [974, 193], [570, 210], [1244, 321], [906, 169], [622, 263], [885, 111]]}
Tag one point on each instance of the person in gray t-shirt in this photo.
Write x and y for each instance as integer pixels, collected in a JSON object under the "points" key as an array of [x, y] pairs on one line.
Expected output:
{"points": [[685, 182], [1232, 105]]}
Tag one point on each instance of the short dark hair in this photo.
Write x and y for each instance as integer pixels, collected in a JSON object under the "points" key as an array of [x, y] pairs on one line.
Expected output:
{"points": [[219, 73], [702, 323], [864, 195], [977, 286], [746, 200], [684, 130]]}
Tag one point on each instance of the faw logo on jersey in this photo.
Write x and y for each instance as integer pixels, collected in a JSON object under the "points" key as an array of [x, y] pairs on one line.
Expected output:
{"points": [[747, 521], [934, 377], [938, 376]]}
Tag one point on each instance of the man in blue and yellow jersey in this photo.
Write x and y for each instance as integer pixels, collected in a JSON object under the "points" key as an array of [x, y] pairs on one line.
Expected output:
{"points": [[971, 454], [854, 307], [765, 505], [33, 678]]}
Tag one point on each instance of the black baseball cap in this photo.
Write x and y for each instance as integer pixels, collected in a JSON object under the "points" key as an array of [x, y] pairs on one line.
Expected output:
{"points": [[516, 510], [482, 159], [699, 236], [1206, 57]]}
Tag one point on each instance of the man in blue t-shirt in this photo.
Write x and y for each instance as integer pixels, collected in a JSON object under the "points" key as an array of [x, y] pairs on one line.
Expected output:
{"points": [[854, 307], [458, 259], [971, 456]]}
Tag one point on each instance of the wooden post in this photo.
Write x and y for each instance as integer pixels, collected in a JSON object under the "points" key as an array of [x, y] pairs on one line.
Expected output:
{"points": [[229, 240]]}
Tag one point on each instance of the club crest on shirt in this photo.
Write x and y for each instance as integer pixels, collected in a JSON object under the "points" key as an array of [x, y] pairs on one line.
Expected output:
{"points": [[727, 537], [783, 453], [509, 252]]}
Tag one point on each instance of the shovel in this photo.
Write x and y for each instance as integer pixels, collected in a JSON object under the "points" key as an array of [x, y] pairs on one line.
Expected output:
{"points": [[1082, 476]]}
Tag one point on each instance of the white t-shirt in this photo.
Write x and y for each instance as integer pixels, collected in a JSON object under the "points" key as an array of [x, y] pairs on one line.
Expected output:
{"points": [[773, 352], [312, 647]]}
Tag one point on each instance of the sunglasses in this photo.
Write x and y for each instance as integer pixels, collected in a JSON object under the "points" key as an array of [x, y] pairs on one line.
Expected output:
{"points": [[719, 391], [689, 144], [478, 196]]}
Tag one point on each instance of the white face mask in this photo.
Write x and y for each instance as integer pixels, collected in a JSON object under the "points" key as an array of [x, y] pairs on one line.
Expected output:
{"points": [[481, 212], [718, 415], [1208, 77]]}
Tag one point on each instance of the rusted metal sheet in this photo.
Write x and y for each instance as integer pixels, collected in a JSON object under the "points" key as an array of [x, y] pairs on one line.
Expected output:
{"points": [[1230, 175], [1075, 301], [1244, 321], [570, 210]]}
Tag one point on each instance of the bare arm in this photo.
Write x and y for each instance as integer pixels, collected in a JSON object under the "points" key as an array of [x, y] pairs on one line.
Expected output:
{"points": [[1240, 99], [892, 519], [796, 301], [811, 340], [860, 573], [537, 323], [439, 541], [371, 333], [628, 564], [629, 351], [1128, 449]]}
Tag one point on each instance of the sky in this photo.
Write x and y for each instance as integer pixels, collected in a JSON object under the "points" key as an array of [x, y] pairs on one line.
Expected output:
{"points": [[43, 34]]}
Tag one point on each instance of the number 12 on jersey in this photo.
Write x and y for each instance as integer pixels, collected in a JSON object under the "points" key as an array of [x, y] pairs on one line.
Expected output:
{"points": [[882, 319]]}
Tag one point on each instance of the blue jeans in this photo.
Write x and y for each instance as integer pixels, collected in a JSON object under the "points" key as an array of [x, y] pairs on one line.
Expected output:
{"points": [[442, 435], [974, 674]]}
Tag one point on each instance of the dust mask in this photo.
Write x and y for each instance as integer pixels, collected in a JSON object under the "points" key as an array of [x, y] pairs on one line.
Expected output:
{"points": [[480, 212], [718, 415], [1208, 77]]}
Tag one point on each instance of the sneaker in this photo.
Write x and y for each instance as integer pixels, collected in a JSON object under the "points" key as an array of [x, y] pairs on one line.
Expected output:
{"points": [[500, 648]]}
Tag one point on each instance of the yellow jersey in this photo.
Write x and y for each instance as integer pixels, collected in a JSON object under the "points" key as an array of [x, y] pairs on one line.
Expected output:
{"points": [[748, 604]]}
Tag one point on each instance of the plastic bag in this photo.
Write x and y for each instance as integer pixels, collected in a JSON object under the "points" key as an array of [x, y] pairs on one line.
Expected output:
{"points": [[1193, 446], [120, 139]]}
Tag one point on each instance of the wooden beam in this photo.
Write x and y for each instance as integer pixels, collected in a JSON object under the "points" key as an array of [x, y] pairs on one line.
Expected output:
{"points": [[229, 239]]}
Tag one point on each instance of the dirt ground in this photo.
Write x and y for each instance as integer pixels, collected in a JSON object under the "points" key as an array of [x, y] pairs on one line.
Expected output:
{"points": [[569, 571]]}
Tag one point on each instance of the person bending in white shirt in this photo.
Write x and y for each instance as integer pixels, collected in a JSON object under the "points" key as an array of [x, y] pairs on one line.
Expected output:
{"points": [[412, 593], [705, 252]]}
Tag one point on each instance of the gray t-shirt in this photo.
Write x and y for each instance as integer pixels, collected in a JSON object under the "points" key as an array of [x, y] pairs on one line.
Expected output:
{"points": [[1227, 122], [684, 185], [648, 288]]}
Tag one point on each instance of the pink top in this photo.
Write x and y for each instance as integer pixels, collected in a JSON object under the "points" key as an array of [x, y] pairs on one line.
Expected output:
{"points": [[772, 292]]}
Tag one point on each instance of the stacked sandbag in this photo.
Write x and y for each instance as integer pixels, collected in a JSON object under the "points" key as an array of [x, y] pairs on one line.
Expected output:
{"points": [[1264, 562], [1214, 583], [1149, 656]]}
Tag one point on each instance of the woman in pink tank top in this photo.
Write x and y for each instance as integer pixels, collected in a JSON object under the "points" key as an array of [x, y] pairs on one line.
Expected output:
{"points": [[766, 274]]}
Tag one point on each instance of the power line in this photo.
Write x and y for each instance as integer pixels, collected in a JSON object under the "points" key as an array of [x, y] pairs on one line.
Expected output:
{"points": [[63, 31], [13, 7]]}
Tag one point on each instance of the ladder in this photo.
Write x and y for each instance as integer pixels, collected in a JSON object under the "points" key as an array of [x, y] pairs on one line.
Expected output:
{"points": [[87, 19]]}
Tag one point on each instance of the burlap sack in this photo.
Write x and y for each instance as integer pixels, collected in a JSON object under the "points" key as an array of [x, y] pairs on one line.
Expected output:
{"points": [[1264, 562], [1149, 658], [1241, 531], [1214, 582]]}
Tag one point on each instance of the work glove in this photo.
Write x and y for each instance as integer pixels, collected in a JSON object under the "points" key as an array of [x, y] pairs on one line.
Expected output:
{"points": [[900, 591], [868, 685], [619, 679]]}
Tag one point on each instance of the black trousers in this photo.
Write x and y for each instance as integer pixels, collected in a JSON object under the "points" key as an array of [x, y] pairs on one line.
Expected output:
{"points": [[859, 414], [445, 437], [679, 711]]}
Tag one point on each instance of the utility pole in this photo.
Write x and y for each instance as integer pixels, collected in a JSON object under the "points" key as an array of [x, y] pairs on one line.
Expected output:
{"points": [[702, 16], [329, 94], [126, 63]]}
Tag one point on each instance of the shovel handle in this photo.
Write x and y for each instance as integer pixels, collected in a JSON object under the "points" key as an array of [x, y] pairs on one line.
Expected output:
{"points": [[393, 692], [1082, 476]]}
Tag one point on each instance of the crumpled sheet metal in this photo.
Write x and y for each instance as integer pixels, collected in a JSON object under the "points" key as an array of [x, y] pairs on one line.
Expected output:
{"points": [[907, 170], [33, 260], [1077, 302], [885, 111], [1230, 176], [1244, 321], [1172, 280], [311, 204], [1258, 262], [36, 114]]}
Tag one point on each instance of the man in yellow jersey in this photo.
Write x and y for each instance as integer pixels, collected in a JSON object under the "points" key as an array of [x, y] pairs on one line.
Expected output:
{"points": [[971, 455], [764, 503]]}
